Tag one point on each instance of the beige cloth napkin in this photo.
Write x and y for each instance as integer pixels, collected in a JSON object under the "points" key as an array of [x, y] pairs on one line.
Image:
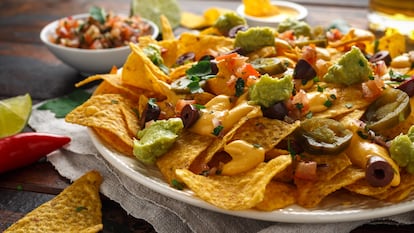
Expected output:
{"points": [[164, 213]]}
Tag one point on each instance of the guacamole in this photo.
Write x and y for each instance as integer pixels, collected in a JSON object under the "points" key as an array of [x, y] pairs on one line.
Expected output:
{"points": [[350, 69], [156, 139], [300, 28], [267, 91], [254, 38], [227, 21]]}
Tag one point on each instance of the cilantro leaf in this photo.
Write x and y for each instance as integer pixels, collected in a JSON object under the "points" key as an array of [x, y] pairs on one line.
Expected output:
{"points": [[98, 14], [63, 105]]}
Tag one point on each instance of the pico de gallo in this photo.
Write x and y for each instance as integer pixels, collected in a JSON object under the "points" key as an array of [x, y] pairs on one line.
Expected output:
{"points": [[100, 30]]}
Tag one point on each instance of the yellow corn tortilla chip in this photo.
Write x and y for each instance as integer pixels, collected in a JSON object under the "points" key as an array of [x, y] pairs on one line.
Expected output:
{"points": [[76, 209], [330, 165], [353, 36], [184, 151], [278, 195], [203, 44], [166, 29], [400, 192], [170, 52], [363, 187], [348, 99], [264, 131], [311, 193], [140, 72], [237, 192], [393, 42], [111, 113], [209, 17]]}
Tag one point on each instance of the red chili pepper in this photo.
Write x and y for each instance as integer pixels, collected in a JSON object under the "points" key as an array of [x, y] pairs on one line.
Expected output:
{"points": [[25, 148]]}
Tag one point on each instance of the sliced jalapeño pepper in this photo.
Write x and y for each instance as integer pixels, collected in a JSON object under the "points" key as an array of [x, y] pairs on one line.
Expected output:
{"points": [[323, 136], [392, 107]]}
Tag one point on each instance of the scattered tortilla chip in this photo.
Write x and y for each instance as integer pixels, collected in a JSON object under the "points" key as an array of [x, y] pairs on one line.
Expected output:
{"points": [[76, 209], [184, 151], [209, 17], [264, 131], [237, 192], [311, 193], [278, 195], [110, 114], [354, 35]]}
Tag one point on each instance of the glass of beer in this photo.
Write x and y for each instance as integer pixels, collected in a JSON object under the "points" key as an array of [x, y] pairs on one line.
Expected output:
{"points": [[398, 14]]}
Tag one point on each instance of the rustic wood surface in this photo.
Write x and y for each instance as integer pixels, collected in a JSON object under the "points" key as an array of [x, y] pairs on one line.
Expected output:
{"points": [[26, 66]]}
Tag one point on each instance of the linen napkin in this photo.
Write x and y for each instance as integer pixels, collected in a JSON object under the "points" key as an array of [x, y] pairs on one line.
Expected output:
{"points": [[164, 213]]}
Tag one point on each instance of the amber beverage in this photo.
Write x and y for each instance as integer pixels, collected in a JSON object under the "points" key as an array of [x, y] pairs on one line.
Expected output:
{"points": [[398, 14]]}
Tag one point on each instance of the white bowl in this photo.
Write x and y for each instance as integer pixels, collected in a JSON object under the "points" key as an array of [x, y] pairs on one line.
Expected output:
{"points": [[298, 12], [89, 61]]}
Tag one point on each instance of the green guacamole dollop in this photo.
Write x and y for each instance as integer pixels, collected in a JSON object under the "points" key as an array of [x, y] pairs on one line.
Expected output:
{"points": [[402, 150], [267, 91], [350, 69], [300, 28], [156, 139], [227, 21], [254, 38]]}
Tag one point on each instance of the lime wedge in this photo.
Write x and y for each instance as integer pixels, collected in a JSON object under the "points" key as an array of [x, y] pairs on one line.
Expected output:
{"points": [[152, 9], [14, 113]]}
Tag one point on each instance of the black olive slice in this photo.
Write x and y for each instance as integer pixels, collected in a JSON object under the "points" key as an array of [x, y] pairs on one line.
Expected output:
{"points": [[189, 115]]}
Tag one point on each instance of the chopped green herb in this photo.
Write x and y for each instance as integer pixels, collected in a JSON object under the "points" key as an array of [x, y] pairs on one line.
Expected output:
{"points": [[328, 103], [80, 208], [255, 145], [361, 63], [19, 187], [152, 102], [114, 102], [217, 130], [299, 106], [362, 135], [199, 106], [197, 73], [309, 115], [98, 14], [177, 184], [239, 87], [333, 96], [319, 88], [398, 76]]}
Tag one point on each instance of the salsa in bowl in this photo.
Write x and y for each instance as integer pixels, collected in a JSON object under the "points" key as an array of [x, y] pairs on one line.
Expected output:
{"points": [[94, 42]]}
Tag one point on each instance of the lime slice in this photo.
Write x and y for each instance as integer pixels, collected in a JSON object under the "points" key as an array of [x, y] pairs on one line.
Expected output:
{"points": [[152, 9], [14, 113]]}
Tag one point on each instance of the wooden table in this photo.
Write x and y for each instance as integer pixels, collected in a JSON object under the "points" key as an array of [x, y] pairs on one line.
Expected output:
{"points": [[26, 66]]}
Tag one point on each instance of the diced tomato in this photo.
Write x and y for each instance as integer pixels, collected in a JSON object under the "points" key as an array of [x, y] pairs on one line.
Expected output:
{"points": [[306, 170], [287, 35], [248, 70], [372, 89], [181, 103], [226, 56], [379, 68], [309, 54], [334, 34]]}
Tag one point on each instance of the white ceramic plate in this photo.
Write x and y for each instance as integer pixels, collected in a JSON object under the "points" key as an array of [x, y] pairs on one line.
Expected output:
{"points": [[330, 209]]}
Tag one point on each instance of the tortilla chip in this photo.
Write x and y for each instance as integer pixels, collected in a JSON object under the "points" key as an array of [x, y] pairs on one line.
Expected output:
{"points": [[209, 17], [348, 99], [363, 187], [76, 209], [166, 29], [354, 35], [203, 44], [393, 42], [329, 165], [311, 193], [111, 114], [169, 51], [400, 192], [139, 71], [184, 151], [278, 195], [112, 84], [237, 192], [264, 131]]}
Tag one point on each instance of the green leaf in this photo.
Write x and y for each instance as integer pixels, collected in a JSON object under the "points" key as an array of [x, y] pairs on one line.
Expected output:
{"points": [[239, 87], [98, 14], [202, 68], [63, 105]]}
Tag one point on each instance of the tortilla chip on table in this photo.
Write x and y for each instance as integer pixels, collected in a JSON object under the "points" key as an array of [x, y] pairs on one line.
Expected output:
{"points": [[76, 209]]}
